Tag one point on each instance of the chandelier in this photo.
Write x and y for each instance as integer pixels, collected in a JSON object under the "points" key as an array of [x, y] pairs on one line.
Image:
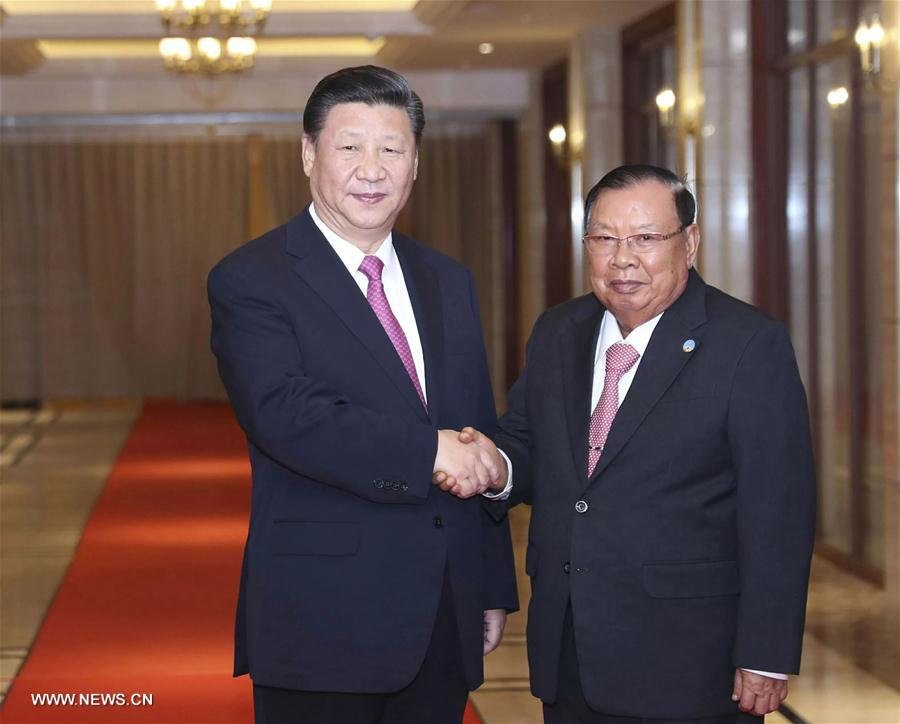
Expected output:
{"points": [[211, 37]]}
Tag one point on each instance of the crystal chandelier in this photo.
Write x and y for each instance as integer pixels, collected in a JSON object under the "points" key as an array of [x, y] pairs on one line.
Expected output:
{"points": [[211, 37]]}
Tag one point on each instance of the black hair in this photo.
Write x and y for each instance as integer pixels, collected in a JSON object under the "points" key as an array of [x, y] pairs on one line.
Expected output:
{"points": [[627, 176], [367, 84]]}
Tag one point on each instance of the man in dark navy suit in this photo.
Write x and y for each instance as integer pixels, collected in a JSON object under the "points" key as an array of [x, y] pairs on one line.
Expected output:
{"points": [[661, 434], [352, 355]]}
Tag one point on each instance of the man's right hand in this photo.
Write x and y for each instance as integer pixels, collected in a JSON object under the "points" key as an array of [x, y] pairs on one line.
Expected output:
{"points": [[483, 454]]}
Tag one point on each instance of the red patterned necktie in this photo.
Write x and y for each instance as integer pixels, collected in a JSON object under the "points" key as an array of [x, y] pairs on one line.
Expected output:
{"points": [[620, 358], [372, 267]]}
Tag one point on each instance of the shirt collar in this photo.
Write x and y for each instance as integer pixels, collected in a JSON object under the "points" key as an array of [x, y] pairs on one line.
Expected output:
{"points": [[350, 254], [610, 333]]}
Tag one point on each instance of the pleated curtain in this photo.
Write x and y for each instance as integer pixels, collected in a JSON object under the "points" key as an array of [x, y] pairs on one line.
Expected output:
{"points": [[105, 245]]}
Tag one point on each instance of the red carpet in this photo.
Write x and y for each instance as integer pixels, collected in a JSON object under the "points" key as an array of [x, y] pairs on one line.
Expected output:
{"points": [[146, 609]]}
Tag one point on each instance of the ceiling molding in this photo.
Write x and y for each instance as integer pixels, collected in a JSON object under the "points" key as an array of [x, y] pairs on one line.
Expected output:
{"points": [[428, 34], [18, 57], [148, 25], [440, 12], [395, 53], [337, 47], [124, 7]]}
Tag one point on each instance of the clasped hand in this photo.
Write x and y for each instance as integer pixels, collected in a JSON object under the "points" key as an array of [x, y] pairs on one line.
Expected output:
{"points": [[468, 463]]}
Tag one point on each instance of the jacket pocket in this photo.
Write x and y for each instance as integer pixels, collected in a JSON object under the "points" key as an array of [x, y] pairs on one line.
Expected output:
{"points": [[691, 579], [314, 538]]}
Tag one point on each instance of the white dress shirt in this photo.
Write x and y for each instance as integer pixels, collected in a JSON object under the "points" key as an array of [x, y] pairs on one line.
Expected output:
{"points": [[391, 278], [610, 333]]}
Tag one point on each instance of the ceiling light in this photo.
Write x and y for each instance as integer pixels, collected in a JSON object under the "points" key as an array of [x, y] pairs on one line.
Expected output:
{"points": [[210, 48], [241, 47], [486, 48], [217, 34], [175, 49]]}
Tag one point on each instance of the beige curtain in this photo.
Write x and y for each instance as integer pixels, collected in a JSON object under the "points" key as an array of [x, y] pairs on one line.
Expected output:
{"points": [[106, 244], [286, 187], [456, 207], [105, 249]]}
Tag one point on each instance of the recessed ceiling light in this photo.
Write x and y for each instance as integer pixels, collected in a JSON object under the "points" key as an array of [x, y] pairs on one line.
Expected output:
{"points": [[486, 48]]}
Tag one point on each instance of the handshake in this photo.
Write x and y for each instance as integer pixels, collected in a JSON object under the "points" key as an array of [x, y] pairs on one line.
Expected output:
{"points": [[468, 463]]}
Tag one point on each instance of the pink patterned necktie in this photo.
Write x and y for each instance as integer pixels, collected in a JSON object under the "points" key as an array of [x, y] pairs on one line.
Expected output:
{"points": [[372, 267], [620, 358]]}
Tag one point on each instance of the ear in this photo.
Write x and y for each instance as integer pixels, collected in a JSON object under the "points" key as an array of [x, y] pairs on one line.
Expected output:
{"points": [[416, 166], [308, 153], [692, 239]]}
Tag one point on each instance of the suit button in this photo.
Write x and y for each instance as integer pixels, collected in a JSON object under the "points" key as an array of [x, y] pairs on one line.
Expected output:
{"points": [[437, 521], [395, 485], [581, 506], [566, 567], [404, 487], [379, 483]]}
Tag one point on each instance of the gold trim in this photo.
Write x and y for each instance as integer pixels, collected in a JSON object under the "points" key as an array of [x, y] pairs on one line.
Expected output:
{"points": [[328, 47], [143, 7]]}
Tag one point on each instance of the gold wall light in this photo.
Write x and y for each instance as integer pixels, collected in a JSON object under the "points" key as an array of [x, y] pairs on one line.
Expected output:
{"points": [[665, 103], [837, 97], [557, 135]]}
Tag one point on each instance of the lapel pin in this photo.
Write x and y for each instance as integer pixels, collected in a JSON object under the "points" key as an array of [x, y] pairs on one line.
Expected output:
{"points": [[688, 345]]}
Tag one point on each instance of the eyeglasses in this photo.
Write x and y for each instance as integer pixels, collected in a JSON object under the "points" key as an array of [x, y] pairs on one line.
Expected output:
{"points": [[638, 243]]}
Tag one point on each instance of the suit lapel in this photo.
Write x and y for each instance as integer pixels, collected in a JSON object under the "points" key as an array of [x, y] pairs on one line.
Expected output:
{"points": [[425, 294], [319, 266], [663, 360], [577, 350]]}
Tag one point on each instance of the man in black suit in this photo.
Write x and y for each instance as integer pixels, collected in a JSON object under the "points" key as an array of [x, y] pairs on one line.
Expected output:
{"points": [[351, 355], [661, 434]]}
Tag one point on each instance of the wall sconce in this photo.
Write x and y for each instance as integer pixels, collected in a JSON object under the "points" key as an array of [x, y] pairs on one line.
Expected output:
{"points": [[557, 136], [872, 40], [869, 38], [837, 97], [665, 102]]}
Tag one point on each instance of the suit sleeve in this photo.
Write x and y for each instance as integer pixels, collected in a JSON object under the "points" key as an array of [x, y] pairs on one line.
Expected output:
{"points": [[768, 428], [298, 421], [513, 436], [499, 562]]}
